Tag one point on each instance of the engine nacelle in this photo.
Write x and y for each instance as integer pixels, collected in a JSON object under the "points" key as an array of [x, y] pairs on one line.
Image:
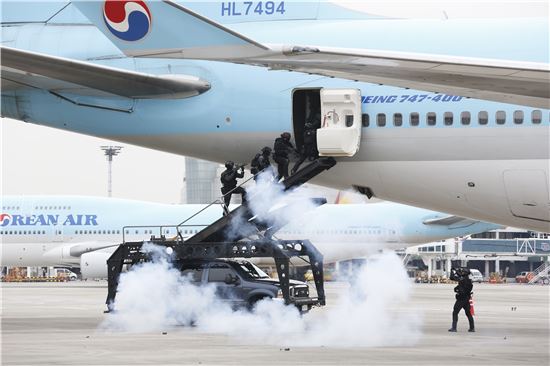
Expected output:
{"points": [[94, 264]]}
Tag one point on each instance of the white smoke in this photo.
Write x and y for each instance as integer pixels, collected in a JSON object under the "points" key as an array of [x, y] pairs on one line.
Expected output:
{"points": [[374, 310], [155, 297]]}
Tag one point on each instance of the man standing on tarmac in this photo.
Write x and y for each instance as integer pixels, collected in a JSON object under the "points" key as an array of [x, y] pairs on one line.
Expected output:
{"points": [[463, 295], [282, 148], [229, 183]]}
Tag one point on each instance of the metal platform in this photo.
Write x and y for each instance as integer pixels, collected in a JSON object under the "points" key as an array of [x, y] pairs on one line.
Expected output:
{"points": [[212, 243]]}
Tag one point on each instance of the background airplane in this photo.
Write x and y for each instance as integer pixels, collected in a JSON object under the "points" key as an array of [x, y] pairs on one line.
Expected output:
{"points": [[78, 231], [428, 143]]}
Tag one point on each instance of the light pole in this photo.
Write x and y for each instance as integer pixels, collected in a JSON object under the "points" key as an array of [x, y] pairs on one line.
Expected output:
{"points": [[110, 151]]}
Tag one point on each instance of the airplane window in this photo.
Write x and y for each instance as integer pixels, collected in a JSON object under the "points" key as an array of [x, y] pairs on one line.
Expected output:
{"points": [[127, 232], [397, 119], [25, 232], [518, 117], [431, 118], [104, 232], [349, 120], [501, 117], [118, 231], [137, 231], [381, 119], [483, 117], [536, 116], [448, 118], [465, 118], [365, 120], [34, 232]]}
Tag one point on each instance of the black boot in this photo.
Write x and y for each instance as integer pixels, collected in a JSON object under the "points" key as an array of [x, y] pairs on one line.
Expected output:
{"points": [[471, 330], [452, 330]]}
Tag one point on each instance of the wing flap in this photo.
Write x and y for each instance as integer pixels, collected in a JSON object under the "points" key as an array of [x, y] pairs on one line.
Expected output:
{"points": [[19, 63]]}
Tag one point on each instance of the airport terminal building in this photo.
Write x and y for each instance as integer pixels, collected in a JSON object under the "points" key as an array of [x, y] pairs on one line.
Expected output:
{"points": [[503, 252]]}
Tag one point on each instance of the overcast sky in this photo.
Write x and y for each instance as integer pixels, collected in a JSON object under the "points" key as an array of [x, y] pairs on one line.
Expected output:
{"points": [[43, 160]]}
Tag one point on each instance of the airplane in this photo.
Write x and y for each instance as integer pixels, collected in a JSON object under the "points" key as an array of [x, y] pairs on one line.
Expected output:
{"points": [[450, 112], [83, 231]]}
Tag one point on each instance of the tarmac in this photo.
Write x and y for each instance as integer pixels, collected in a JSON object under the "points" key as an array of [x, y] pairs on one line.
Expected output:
{"points": [[56, 323]]}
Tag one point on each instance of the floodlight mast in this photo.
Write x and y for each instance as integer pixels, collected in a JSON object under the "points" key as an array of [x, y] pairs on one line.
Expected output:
{"points": [[110, 151]]}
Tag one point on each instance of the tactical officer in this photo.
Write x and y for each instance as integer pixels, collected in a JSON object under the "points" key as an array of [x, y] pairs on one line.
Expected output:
{"points": [[309, 149], [229, 182], [463, 295], [282, 148], [261, 161]]}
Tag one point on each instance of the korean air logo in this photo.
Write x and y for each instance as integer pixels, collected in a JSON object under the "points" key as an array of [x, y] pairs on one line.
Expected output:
{"points": [[127, 20], [5, 219]]}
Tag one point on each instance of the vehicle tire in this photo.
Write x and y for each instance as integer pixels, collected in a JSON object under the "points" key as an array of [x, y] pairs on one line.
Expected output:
{"points": [[255, 299]]}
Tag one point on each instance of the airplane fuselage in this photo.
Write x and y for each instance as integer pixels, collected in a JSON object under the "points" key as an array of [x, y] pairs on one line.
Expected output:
{"points": [[477, 168]]}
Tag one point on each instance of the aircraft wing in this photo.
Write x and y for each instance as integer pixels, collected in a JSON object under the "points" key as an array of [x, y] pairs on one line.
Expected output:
{"points": [[30, 69], [509, 82], [514, 82]]}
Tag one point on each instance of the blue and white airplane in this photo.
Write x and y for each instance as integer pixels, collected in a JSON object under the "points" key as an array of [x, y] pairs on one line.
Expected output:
{"points": [[450, 112], [77, 231]]}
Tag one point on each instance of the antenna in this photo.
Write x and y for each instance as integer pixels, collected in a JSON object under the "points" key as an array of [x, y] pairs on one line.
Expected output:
{"points": [[110, 151]]}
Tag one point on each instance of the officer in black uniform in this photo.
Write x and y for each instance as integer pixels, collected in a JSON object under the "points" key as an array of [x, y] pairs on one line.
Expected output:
{"points": [[281, 149], [261, 161], [463, 295], [229, 182], [309, 149]]}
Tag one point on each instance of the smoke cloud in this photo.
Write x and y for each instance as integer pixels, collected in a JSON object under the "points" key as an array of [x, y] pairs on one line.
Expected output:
{"points": [[156, 297]]}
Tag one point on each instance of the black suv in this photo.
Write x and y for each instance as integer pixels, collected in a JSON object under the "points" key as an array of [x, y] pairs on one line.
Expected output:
{"points": [[242, 283]]}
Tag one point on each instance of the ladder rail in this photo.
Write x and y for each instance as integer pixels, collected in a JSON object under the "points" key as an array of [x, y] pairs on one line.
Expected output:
{"points": [[541, 271]]}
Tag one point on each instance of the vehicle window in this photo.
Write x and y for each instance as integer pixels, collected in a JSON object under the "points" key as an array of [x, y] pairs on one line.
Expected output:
{"points": [[381, 119], [194, 274], [218, 272], [483, 117], [414, 119], [536, 116], [448, 118], [365, 119], [431, 118], [253, 271], [465, 118], [397, 119], [500, 117], [518, 117]]}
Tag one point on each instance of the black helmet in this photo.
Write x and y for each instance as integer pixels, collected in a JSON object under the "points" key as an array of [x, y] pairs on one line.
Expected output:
{"points": [[229, 164], [286, 135], [266, 150]]}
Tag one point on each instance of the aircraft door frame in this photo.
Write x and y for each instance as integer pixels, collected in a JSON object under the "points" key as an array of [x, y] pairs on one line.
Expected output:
{"points": [[57, 233], [340, 132]]}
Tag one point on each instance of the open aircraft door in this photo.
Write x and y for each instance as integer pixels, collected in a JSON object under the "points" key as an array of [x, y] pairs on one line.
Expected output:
{"points": [[340, 132]]}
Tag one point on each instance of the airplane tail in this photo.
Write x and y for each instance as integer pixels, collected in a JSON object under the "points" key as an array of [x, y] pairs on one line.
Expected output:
{"points": [[164, 29]]}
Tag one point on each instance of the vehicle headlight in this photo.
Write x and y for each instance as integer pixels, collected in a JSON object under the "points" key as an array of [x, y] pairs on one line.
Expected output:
{"points": [[280, 294]]}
